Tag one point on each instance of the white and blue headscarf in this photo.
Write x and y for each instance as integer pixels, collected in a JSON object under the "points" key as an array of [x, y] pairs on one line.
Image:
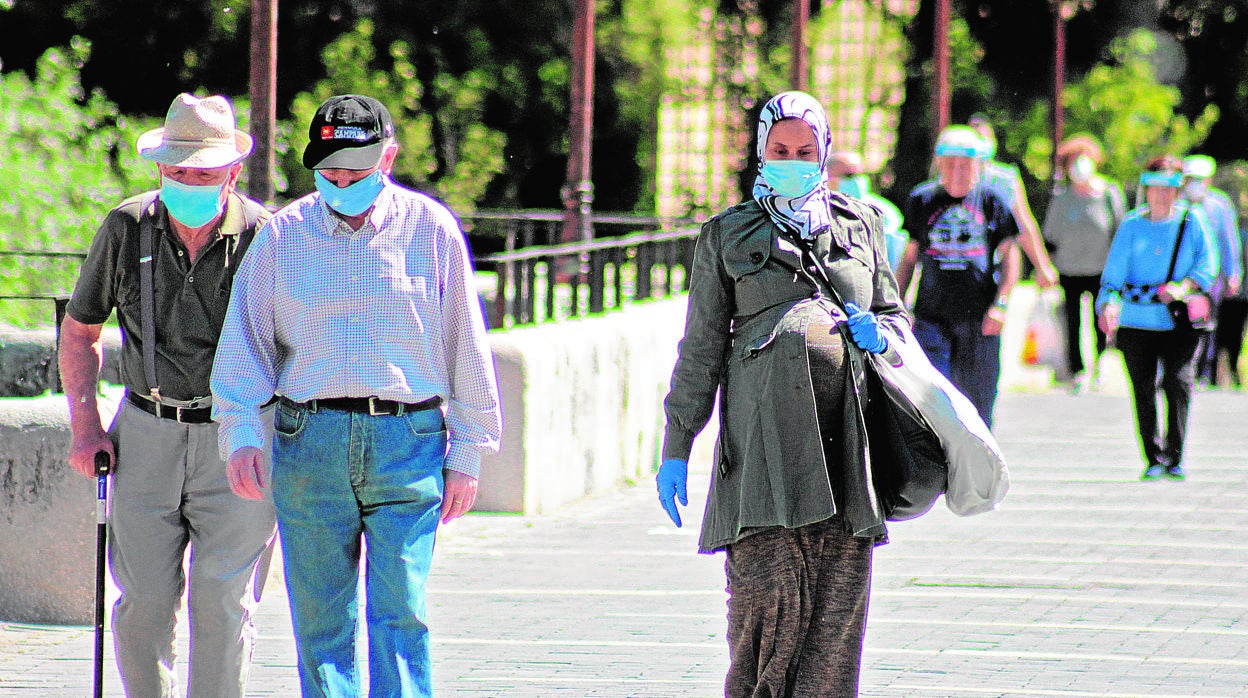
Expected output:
{"points": [[804, 215]]}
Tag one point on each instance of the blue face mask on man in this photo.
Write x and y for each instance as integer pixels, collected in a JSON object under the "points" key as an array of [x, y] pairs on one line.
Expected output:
{"points": [[792, 178], [353, 199], [191, 205], [856, 186]]}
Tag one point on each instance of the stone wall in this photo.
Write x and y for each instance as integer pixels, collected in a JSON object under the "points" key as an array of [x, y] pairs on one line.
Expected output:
{"points": [[582, 406], [47, 515]]}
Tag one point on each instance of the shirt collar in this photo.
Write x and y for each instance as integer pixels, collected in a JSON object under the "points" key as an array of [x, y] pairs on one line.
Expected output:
{"points": [[234, 222]]}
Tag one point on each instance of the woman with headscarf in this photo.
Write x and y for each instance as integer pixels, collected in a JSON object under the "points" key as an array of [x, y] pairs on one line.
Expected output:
{"points": [[1084, 212], [1136, 286], [791, 499]]}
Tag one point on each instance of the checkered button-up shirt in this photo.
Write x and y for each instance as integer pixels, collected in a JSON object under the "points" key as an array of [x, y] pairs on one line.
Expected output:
{"points": [[321, 311]]}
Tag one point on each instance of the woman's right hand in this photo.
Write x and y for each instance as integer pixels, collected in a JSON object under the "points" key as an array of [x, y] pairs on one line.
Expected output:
{"points": [[1108, 319], [672, 481]]}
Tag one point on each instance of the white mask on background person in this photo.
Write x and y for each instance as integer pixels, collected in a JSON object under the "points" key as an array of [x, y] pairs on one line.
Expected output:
{"points": [[1082, 169], [1195, 189]]}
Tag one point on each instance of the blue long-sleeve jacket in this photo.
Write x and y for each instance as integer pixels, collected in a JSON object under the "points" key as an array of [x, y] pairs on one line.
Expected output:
{"points": [[1139, 258]]}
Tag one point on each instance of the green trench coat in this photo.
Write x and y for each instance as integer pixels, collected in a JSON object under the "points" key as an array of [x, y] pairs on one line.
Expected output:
{"points": [[749, 303]]}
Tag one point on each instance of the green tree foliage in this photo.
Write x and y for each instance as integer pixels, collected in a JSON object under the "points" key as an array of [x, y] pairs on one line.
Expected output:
{"points": [[469, 160], [1123, 105], [66, 159]]}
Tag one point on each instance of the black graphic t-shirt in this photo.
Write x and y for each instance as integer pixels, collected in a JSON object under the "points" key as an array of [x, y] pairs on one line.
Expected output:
{"points": [[958, 240]]}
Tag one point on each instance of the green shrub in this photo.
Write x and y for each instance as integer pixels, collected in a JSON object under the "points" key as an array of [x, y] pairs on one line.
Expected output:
{"points": [[66, 158]]}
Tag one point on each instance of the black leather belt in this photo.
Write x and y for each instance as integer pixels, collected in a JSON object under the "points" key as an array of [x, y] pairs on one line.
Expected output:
{"points": [[185, 415], [366, 405]]}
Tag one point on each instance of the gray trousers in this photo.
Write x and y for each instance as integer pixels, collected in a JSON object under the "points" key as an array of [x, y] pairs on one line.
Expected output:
{"points": [[797, 612], [170, 491]]}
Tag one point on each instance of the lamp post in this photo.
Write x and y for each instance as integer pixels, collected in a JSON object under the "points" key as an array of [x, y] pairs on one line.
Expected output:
{"points": [[263, 99], [800, 65], [940, 62]]}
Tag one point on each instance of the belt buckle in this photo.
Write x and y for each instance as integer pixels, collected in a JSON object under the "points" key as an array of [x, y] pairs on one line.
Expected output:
{"points": [[177, 415], [372, 408]]}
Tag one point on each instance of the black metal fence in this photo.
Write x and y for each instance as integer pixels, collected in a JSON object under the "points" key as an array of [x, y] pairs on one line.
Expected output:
{"points": [[631, 258], [58, 298]]}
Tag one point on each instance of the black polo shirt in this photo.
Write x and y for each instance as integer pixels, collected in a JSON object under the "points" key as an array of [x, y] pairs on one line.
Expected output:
{"points": [[190, 300]]}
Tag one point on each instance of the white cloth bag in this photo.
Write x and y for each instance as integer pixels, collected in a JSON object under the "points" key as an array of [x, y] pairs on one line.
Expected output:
{"points": [[978, 477]]}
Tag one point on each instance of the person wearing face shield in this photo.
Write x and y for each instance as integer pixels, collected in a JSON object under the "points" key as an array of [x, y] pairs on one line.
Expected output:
{"points": [[165, 261], [963, 243], [356, 308], [847, 175], [1085, 211], [1162, 252], [1223, 219], [790, 502]]}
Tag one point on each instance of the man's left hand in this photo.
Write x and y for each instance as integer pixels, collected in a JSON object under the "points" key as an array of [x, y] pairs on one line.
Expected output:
{"points": [[459, 494]]}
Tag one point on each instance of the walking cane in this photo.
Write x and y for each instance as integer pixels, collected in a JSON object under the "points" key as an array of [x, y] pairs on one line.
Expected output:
{"points": [[102, 468]]}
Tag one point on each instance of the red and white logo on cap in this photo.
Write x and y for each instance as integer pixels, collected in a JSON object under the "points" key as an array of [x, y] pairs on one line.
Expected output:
{"points": [[327, 132]]}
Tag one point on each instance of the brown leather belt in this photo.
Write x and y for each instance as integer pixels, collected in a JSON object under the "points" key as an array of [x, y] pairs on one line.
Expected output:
{"points": [[366, 405], [184, 415]]}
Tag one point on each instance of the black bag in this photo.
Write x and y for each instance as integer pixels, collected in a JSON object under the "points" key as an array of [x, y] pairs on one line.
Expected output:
{"points": [[908, 466], [1195, 312], [909, 469]]}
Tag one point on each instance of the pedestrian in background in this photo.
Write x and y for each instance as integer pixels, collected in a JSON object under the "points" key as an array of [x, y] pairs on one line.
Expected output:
{"points": [[170, 488], [1232, 315], [357, 308], [1006, 178], [791, 500], [847, 175], [1223, 219], [1135, 288], [963, 239], [1084, 213]]}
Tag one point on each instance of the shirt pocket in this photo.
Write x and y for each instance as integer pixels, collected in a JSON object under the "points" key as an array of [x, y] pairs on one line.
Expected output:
{"points": [[410, 304]]}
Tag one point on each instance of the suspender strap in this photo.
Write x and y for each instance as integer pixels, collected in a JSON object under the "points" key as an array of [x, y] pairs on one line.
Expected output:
{"points": [[147, 294]]}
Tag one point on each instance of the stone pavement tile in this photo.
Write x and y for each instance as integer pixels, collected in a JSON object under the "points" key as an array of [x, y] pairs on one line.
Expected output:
{"points": [[1086, 582]]}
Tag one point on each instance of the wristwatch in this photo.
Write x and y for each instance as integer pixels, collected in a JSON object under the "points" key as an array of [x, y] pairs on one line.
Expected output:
{"points": [[1000, 303]]}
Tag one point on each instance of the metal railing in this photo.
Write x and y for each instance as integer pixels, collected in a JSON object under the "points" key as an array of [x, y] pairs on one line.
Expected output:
{"points": [[539, 278], [647, 257], [58, 298]]}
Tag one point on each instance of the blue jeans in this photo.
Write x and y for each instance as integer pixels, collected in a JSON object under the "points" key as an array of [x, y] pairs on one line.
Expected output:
{"points": [[966, 356], [337, 477]]}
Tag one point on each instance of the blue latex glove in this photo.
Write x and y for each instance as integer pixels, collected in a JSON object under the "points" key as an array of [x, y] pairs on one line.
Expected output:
{"points": [[865, 329], [672, 478]]}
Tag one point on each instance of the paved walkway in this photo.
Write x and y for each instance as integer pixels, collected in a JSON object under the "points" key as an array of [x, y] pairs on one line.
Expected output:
{"points": [[1086, 583]]}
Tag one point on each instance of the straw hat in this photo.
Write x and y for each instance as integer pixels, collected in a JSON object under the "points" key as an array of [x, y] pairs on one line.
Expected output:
{"points": [[197, 133]]}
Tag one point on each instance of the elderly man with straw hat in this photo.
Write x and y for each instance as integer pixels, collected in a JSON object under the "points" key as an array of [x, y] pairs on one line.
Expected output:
{"points": [[165, 261]]}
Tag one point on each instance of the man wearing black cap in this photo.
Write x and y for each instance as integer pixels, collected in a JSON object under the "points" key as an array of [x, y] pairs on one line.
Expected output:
{"points": [[356, 308]]}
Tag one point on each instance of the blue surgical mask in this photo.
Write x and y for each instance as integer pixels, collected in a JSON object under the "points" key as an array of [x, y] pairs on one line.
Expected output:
{"points": [[856, 186], [792, 178], [353, 199], [191, 205]]}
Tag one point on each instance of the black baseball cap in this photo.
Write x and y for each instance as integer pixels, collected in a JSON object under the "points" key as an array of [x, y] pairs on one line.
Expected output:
{"points": [[347, 132]]}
